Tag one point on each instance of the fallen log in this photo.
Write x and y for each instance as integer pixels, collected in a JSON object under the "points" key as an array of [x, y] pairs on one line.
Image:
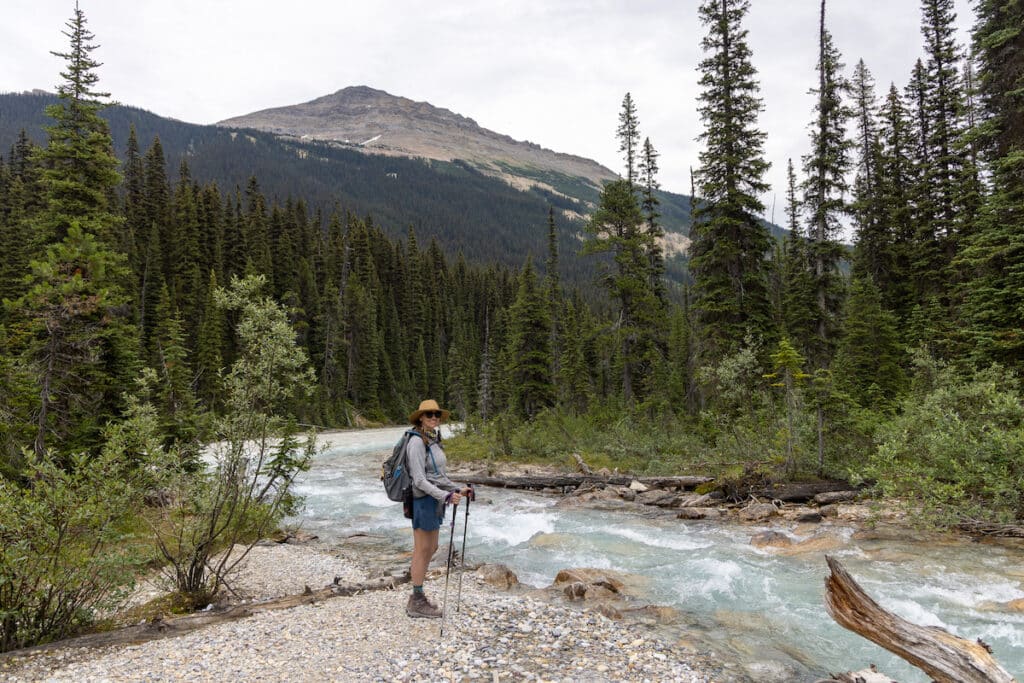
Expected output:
{"points": [[974, 526], [575, 480], [160, 627], [798, 492], [940, 654]]}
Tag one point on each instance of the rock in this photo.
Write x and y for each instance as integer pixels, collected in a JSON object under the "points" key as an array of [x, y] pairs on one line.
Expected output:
{"points": [[590, 577], [828, 510], [1016, 605], [662, 499], [498, 575], [637, 486], [771, 539], [758, 511], [691, 513], [693, 500], [830, 497], [809, 517], [610, 611], [625, 493], [577, 590], [818, 543]]}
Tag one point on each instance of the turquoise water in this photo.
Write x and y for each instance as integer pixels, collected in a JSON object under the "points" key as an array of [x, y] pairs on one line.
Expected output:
{"points": [[751, 605]]}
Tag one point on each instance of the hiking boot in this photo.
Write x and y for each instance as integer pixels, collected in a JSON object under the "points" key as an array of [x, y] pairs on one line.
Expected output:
{"points": [[419, 606]]}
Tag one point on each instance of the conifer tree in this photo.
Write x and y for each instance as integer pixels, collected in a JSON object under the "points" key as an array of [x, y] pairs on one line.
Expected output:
{"points": [[649, 207], [79, 165], [994, 254], [873, 239], [628, 133], [897, 174], [868, 364], [529, 352], [825, 187], [729, 243], [209, 348]]}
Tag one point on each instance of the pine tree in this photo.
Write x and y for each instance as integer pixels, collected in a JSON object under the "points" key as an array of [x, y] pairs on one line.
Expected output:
{"points": [[994, 254], [798, 302], [79, 165], [897, 174], [872, 256], [868, 364], [628, 133], [729, 243], [617, 227], [528, 349], [649, 207], [825, 187]]}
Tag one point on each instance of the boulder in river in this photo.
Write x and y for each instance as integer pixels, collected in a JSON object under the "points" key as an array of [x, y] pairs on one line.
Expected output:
{"points": [[498, 575], [756, 512], [771, 539], [829, 497]]}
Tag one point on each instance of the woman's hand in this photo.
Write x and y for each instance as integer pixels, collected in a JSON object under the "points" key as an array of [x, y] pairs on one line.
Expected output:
{"points": [[468, 492], [454, 497]]}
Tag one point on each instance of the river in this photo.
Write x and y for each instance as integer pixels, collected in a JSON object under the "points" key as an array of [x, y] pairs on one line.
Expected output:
{"points": [[755, 607]]}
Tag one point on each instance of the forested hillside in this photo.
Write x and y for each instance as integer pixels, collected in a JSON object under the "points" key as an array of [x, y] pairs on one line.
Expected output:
{"points": [[467, 211]]}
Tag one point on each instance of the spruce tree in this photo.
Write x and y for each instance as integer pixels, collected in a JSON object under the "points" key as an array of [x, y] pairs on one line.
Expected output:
{"points": [[868, 364], [528, 354], [994, 254], [649, 207], [825, 187], [728, 241], [628, 133], [79, 165]]}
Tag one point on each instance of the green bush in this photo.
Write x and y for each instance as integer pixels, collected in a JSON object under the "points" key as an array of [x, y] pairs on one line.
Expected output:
{"points": [[63, 553], [957, 449]]}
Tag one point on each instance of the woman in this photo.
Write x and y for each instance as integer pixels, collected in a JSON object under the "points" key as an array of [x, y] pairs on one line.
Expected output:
{"points": [[431, 490]]}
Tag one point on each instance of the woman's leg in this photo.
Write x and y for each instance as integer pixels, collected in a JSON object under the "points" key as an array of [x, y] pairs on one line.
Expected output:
{"points": [[424, 545]]}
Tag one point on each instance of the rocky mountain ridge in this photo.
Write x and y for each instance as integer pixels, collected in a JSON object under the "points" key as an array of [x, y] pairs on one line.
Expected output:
{"points": [[377, 122]]}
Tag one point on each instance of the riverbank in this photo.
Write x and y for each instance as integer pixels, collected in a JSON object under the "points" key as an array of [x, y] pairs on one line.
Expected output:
{"points": [[495, 636]]}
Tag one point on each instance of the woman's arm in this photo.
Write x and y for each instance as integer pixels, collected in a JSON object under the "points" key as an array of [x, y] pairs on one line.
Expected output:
{"points": [[417, 457]]}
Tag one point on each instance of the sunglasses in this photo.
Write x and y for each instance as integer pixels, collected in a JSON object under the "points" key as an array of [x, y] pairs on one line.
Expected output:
{"points": [[432, 413]]}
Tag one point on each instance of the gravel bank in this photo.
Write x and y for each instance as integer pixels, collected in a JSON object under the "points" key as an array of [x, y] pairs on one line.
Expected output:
{"points": [[493, 637]]}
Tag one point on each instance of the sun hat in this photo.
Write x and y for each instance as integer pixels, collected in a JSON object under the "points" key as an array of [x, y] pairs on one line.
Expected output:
{"points": [[429, 404]]}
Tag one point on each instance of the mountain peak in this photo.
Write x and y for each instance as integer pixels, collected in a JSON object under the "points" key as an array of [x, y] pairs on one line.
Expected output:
{"points": [[378, 122]]}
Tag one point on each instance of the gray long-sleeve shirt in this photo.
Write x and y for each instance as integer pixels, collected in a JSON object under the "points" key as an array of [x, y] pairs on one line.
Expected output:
{"points": [[427, 470]]}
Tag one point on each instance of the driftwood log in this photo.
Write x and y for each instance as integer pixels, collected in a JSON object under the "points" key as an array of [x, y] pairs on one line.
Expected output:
{"points": [[799, 492], [937, 652], [974, 526], [177, 626], [575, 480]]}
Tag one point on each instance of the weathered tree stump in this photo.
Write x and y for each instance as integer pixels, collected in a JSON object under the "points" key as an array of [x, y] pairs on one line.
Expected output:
{"points": [[937, 652]]}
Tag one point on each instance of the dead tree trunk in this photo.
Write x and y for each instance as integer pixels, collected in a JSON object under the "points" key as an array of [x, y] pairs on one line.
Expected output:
{"points": [[937, 652]]}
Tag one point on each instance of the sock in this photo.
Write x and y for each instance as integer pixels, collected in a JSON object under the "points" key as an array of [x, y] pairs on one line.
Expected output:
{"points": [[417, 590]]}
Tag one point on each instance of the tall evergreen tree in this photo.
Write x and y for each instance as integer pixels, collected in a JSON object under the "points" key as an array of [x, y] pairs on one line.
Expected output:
{"points": [[628, 133], [649, 207], [79, 165], [729, 242], [825, 188], [529, 351], [994, 254]]}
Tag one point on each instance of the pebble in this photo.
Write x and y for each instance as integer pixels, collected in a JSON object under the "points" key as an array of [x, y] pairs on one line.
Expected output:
{"points": [[494, 636]]}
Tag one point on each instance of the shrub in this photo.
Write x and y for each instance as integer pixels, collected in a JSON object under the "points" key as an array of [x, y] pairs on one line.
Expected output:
{"points": [[63, 554], [958, 450]]}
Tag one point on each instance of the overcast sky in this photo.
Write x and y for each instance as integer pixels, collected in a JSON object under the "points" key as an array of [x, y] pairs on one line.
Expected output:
{"points": [[553, 72]]}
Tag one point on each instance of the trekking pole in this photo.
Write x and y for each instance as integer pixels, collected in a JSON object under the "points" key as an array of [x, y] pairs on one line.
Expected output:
{"points": [[462, 566], [448, 573]]}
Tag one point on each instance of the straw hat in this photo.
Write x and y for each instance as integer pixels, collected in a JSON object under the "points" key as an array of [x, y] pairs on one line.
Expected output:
{"points": [[429, 404]]}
